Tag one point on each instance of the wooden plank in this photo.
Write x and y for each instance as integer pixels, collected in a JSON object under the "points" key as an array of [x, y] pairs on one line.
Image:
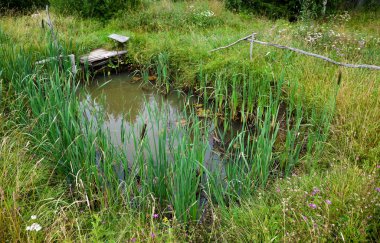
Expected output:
{"points": [[49, 59], [71, 57], [119, 38], [99, 55]]}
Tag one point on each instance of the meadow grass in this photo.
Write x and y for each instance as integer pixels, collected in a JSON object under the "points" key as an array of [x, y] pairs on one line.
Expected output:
{"points": [[333, 205], [295, 119]]}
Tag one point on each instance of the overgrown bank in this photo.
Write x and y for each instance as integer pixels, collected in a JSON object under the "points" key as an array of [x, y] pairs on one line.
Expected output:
{"points": [[184, 57]]}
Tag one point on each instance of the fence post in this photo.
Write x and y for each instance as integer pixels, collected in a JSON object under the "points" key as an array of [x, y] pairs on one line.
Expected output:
{"points": [[251, 47]]}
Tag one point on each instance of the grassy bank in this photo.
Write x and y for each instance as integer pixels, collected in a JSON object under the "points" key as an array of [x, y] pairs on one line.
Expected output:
{"points": [[297, 123]]}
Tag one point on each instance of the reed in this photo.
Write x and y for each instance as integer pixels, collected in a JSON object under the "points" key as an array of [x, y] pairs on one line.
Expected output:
{"points": [[170, 166], [260, 149], [163, 79]]}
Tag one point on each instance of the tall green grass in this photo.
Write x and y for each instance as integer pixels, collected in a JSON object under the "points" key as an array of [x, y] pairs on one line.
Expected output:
{"points": [[277, 132], [163, 71], [170, 174]]}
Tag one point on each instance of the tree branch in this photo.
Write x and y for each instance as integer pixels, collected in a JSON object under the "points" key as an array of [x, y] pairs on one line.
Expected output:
{"points": [[300, 51]]}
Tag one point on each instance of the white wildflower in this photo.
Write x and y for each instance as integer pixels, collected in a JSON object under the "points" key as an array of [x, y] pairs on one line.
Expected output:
{"points": [[207, 13], [361, 43], [34, 227], [33, 217]]}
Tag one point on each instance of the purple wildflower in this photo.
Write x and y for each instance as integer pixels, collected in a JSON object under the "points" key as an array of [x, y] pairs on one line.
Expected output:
{"points": [[328, 201], [378, 166], [153, 235], [133, 240], [315, 191], [377, 189], [304, 217], [155, 215], [312, 205], [278, 190]]}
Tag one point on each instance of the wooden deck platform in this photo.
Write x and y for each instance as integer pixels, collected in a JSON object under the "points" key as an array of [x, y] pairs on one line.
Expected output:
{"points": [[100, 57]]}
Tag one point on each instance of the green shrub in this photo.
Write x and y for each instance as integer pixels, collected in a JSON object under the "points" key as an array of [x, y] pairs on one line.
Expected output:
{"points": [[270, 8], [103, 9], [295, 8], [21, 4]]}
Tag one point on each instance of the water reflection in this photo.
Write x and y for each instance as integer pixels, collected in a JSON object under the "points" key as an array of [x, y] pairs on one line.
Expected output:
{"points": [[130, 106], [120, 96]]}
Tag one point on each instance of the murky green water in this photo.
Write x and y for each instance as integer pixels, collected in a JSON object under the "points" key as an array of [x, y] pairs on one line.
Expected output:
{"points": [[125, 98], [129, 105]]}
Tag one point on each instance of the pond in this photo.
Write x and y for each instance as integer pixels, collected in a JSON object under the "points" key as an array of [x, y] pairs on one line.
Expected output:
{"points": [[129, 105]]}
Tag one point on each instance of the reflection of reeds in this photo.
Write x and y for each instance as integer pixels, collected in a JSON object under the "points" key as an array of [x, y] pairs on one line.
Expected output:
{"points": [[143, 132]]}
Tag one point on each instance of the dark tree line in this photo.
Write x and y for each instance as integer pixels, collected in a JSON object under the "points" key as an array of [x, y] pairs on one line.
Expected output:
{"points": [[20, 5], [294, 8], [273, 8]]}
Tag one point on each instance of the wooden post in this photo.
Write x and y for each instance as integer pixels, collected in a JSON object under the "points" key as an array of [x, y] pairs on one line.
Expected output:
{"points": [[73, 66], [51, 27], [251, 47]]}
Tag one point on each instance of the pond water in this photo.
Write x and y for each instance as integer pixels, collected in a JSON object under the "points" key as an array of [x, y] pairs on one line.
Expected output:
{"points": [[130, 105]]}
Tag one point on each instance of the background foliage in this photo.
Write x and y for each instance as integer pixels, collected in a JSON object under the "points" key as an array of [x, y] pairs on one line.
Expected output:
{"points": [[21, 4], [103, 9], [293, 8]]}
